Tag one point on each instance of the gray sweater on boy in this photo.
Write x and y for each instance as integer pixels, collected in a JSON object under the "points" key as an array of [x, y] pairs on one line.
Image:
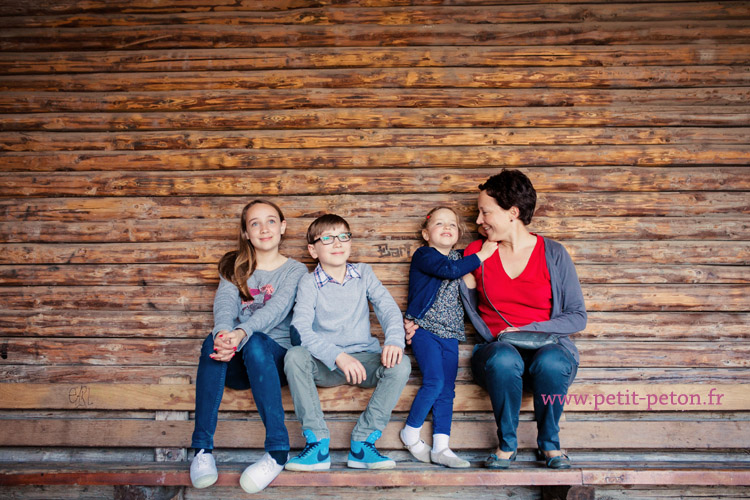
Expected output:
{"points": [[333, 318]]}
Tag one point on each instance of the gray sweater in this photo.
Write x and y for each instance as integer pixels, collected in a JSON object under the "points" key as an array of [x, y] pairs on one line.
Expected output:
{"points": [[269, 312], [335, 318], [568, 313]]}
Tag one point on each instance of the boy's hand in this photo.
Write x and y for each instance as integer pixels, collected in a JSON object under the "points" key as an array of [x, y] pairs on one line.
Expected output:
{"points": [[225, 344], [410, 328], [354, 370], [391, 355]]}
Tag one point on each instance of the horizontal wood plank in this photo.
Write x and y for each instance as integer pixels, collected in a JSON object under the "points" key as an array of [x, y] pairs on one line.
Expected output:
{"points": [[474, 435], [721, 227], [363, 35], [184, 352], [89, 374], [233, 59], [40, 142], [552, 117], [303, 181], [255, 99], [406, 15], [469, 397], [371, 251], [510, 78], [646, 326]]}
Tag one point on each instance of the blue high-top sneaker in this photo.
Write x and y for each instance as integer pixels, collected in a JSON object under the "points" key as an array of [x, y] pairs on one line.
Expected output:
{"points": [[314, 456], [364, 455]]}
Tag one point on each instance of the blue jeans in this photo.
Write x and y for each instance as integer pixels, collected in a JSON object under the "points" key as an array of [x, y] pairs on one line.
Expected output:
{"points": [[259, 366], [504, 370], [438, 361]]}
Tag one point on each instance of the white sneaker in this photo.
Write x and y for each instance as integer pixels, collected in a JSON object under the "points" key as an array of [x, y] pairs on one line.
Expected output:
{"points": [[256, 477], [203, 471]]}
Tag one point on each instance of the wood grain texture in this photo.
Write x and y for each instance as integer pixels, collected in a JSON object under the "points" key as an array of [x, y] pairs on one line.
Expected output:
{"points": [[466, 434], [469, 398], [255, 99]]}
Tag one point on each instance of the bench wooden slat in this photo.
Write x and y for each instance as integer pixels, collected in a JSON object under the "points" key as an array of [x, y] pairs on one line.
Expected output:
{"points": [[620, 434], [469, 397], [407, 474]]}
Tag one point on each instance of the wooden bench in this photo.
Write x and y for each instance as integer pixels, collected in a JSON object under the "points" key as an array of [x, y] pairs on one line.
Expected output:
{"points": [[132, 133]]}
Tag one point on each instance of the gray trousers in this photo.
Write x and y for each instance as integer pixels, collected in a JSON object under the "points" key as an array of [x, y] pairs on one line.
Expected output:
{"points": [[305, 373]]}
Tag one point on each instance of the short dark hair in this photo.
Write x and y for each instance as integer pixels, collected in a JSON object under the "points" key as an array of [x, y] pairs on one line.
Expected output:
{"points": [[324, 223], [511, 188]]}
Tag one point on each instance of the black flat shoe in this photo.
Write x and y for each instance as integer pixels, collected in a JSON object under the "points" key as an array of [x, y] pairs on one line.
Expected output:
{"points": [[558, 462], [495, 462]]}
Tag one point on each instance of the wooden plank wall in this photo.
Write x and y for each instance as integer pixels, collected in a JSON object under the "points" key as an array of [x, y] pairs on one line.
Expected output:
{"points": [[132, 132]]}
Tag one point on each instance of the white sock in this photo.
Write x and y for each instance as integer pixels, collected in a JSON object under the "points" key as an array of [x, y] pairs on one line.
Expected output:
{"points": [[410, 435], [440, 443]]}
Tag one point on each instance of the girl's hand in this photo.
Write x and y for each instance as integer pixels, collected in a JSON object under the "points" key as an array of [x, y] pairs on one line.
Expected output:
{"points": [[225, 344], [488, 248], [391, 356], [354, 370], [410, 328]]}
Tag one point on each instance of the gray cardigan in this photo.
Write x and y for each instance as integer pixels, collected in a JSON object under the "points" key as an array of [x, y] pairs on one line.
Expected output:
{"points": [[568, 314]]}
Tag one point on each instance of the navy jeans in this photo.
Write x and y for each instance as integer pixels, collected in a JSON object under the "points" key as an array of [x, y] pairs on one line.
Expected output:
{"points": [[504, 370], [438, 362], [259, 366]]}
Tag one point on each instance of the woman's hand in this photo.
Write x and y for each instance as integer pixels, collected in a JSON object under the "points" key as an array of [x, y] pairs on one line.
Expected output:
{"points": [[225, 344], [510, 329], [410, 328]]}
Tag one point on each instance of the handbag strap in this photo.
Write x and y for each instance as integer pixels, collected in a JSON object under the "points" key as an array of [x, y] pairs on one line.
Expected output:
{"points": [[484, 289]]}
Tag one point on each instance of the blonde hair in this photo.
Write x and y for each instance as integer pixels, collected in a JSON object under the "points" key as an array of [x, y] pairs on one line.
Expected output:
{"points": [[238, 265], [426, 221]]}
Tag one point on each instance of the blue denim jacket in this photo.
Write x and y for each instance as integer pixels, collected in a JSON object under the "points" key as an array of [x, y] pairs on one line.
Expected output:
{"points": [[428, 269], [568, 313]]}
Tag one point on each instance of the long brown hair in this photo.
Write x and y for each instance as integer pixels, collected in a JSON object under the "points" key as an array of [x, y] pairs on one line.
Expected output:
{"points": [[238, 265]]}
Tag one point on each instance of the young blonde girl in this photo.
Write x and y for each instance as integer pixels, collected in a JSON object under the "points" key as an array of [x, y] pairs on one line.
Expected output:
{"points": [[246, 348], [435, 306]]}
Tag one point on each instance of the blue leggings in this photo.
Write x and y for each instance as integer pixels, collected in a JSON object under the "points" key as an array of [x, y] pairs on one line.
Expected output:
{"points": [[258, 366], [438, 361]]}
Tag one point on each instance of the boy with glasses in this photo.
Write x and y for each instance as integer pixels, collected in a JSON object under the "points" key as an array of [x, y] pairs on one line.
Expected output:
{"points": [[332, 319]]}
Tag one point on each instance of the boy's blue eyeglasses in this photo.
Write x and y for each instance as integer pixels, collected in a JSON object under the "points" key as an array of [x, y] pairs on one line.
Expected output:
{"points": [[328, 240]]}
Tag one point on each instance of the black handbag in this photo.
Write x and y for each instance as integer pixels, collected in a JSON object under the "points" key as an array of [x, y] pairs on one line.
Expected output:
{"points": [[521, 339]]}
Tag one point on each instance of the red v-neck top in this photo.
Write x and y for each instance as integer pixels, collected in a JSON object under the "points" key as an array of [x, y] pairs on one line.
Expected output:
{"points": [[523, 300]]}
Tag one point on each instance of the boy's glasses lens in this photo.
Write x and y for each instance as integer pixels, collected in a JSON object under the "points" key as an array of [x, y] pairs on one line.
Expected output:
{"points": [[343, 237]]}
